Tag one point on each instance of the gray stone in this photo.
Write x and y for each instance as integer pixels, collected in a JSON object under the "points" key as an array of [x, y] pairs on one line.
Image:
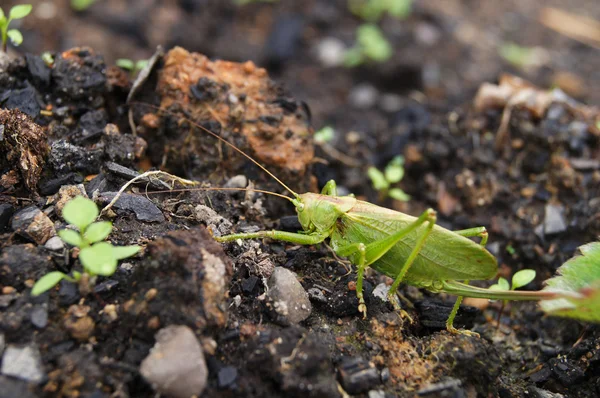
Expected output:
{"points": [[331, 51], [381, 291], [239, 181], [34, 224], [55, 244], [363, 96], [289, 299], [24, 363], [554, 220], [176, 366], [219, 225], [143, 207], [39, 316]]}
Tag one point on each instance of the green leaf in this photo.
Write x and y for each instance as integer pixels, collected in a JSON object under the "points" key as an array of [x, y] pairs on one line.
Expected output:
{"points": [[374, 44], [378, 179], [15, 37], [522, 278], [98, 231], [125, 63], [503, 283], [578, 282], [71, 237], [400, 8], [121, 252], [516, 55], [20, 11], [47, 282], [99, 259], [141, 64], [398, 194], [81, 5], [353, 57], [326, 134], [80, 212], [394, 171], [2, 16]]}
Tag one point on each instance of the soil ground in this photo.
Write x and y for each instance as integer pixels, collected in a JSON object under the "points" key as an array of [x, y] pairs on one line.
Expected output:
{"points": [[536, 192]]}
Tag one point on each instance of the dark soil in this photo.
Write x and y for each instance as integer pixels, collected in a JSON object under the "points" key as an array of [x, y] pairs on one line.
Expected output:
{"points": [[536, 190]]}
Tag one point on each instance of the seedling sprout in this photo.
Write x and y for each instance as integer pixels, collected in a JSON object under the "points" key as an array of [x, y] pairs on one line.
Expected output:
{"points": [[383, 181], [97, 256], [15, 36]]}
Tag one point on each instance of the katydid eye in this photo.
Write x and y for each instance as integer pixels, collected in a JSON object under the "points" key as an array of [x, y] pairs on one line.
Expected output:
{"points": [[301, 207]]}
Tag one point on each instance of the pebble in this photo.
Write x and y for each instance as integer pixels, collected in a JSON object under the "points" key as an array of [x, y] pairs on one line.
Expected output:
{"points": [[219, 225], [363, 96], [290, 300], [239, 181], [33, 223], [39, 316], [143, 207], [376, 394], [24, 363], [330, 52], [381, 292], [358, 375], [176, 366], [55, 244], [535, 392], [227, 376], [6, 212], [554, 220]]}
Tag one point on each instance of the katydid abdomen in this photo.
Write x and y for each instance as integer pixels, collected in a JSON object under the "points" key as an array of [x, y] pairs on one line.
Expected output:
{"points": [[444, 256]]}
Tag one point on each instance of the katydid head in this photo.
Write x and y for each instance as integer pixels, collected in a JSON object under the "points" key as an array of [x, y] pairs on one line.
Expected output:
{"points": [[317, 212]]}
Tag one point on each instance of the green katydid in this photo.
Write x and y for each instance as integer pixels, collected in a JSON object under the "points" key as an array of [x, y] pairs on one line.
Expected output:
{"points": [[414, 250]]}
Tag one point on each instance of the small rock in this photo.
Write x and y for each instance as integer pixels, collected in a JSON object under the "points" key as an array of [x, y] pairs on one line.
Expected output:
{"points": [[219, 225], [249, 284], [25, 100], [239, 181], [381, 291], [143, 207], [330, 52], [39, 316], [6, 212], [33, 223], [227, 377], [535, 392], [376, 394], [358, 375], [55, 244], [450, 387], [363, 96], [566, 371], [175, 365], [289, 299], [68, 293], [38, 69], [78, 323], [554, 220], [65, 194], [317, 294], [24, 363], [2, 343]]}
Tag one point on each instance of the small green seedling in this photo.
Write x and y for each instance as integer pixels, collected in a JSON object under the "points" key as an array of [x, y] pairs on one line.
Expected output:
{"points": [[15, 36], [97, 256], [132, 66], [371, 45], [519, 279], [373, 10], [519, 56], [325, 135], [382, 181]]}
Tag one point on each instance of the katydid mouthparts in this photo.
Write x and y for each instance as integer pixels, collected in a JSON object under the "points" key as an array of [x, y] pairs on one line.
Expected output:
{"points": [[413, 250]]}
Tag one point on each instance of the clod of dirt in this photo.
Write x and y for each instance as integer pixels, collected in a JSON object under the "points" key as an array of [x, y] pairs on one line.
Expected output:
{"points": [[23, 150], [287, 298], [236, 100], [176, 366], [34, 224], [434, 314], [79, 74], [190, 274], [218, 224], [6, 212], [78, 323], [24, 363], [65, 157], [22, 262], [65, 194]]}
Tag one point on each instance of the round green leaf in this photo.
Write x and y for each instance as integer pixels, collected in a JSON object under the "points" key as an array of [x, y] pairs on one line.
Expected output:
{"points": [[15, 37], [398, 194], [98, 259], [80, 212], [522, 278], [71, 237], [378, 179], [47, 282], [20, 11], [501, 285], [97, 231], [125, 63], [2, 17], [121, 252]]}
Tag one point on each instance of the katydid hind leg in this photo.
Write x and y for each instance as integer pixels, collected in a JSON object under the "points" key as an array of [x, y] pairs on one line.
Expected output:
{"points": [[330, 188], [429, 217], [480, 232]]}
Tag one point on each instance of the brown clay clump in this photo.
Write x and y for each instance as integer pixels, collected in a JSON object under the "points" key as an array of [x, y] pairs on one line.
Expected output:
{"points": [[237, 101]]}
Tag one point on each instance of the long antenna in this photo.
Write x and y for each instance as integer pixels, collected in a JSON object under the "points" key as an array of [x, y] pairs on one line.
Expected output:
{"points": [[220, 189], [223, 140]]}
